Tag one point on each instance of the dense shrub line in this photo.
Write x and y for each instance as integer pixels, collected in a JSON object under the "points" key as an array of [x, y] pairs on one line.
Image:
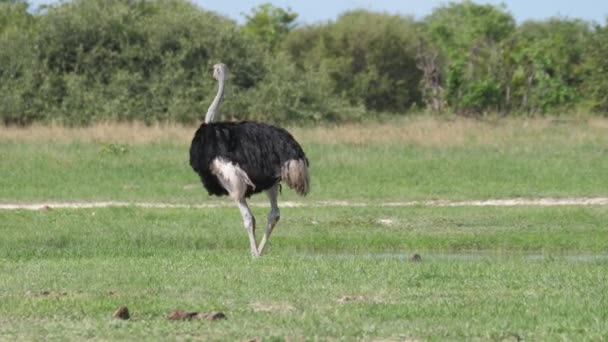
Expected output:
{"points": [[150, 60]]}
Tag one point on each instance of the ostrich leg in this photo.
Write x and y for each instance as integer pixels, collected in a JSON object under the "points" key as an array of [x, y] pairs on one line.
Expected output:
{"points": [[273, 216], [249, 222]]}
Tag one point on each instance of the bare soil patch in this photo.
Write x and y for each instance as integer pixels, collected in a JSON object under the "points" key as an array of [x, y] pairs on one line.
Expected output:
{"points": [[47, 293], [278, 307], [358, 299], [182, 315], [505, 202]]}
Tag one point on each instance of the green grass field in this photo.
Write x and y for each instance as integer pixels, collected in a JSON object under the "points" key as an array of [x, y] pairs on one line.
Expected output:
{"points": [[336, 272]]}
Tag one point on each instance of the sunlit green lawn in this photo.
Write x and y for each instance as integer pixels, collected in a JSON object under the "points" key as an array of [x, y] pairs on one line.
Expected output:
{"points": [[160, 172], [487, 273]]}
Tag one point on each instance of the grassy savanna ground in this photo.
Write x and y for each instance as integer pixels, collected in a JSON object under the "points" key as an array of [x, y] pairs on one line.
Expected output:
{"points": [[487, 273], [410, 159]]}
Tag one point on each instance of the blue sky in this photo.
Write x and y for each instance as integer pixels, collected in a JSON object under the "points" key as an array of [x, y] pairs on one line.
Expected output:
{"points": [[311, 11]]}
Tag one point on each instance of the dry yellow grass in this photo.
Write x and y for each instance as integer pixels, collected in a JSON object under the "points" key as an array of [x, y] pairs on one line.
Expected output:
{"points": [[421, 131], [121, 133], [425, 131]]}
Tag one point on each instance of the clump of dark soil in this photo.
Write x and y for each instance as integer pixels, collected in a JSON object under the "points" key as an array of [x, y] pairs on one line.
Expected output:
{"points": [[47, 293], [211, 316], [348, 299], [121, 313], [182, 315], [416, 258]]}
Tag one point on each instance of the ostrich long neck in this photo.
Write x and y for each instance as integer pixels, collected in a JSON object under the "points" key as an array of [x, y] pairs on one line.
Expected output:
{"points": [[213, 112]]}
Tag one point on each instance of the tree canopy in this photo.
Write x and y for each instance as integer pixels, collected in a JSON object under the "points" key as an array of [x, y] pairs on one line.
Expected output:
{"points": [[83, 61]]}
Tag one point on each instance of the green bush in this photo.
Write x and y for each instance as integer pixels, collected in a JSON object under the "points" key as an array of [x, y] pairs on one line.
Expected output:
{"points": [[85, 61], [129, 60], [370, 58], [286, 94], [595, 84]]}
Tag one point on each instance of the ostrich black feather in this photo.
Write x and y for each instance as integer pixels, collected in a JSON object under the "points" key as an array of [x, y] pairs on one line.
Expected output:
{"points": [[260, 150]]}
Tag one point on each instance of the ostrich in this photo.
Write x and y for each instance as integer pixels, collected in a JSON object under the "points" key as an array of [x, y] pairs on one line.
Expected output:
{"points": [[240, 159]]}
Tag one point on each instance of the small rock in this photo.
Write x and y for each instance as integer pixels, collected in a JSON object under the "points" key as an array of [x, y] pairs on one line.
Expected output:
{"points": [[121, 313], [416, 258]]}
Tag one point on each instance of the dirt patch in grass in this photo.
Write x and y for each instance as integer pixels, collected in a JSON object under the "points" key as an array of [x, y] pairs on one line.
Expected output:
{"points": [[47, 293], [503, 202], [278, 307], [182, 315], [359, 299]]}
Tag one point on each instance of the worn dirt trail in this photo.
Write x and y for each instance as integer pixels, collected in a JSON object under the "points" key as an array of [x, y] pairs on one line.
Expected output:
{"points": [[505, 202]]}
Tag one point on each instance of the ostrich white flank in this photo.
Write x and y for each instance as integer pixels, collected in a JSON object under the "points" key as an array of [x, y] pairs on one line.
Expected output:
{"points": [[240, 159]]}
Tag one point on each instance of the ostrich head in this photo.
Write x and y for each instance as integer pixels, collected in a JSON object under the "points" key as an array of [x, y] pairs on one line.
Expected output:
{"points": [[220, 73]]}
